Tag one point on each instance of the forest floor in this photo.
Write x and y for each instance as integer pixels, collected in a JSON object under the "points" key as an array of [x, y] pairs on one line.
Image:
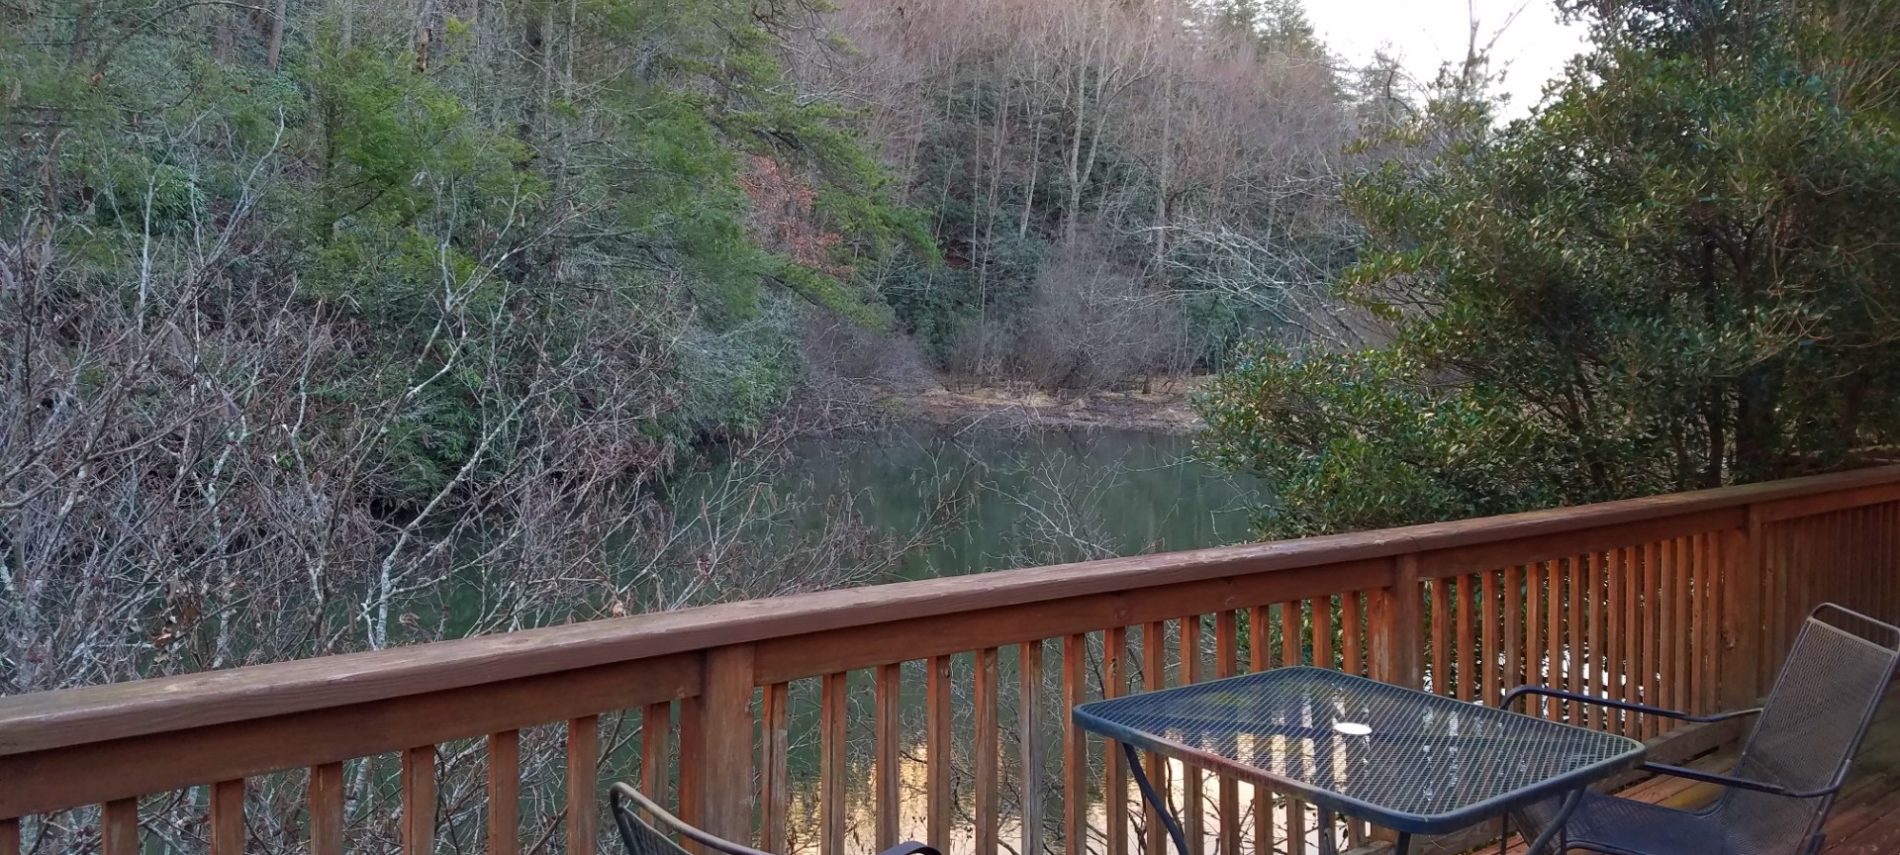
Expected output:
{"points": [[1160, 405]]}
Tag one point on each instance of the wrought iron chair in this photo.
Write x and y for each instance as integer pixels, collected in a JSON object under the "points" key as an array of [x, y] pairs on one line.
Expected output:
{"points": [[642, 838], [1792, 764]]}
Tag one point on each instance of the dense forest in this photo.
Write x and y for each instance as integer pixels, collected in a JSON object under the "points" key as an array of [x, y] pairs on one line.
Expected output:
{"points": [[309, 304]]}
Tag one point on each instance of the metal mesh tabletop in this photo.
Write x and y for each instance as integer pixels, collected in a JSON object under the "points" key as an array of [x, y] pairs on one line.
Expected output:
{"points": [[1397, 757]]}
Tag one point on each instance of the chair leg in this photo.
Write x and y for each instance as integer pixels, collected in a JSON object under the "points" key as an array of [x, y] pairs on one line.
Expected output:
{"points": [[1154, 798], [1556, 828]]}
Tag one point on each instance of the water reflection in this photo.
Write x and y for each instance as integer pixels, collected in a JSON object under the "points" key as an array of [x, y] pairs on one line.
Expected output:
{"points": [[997, 499]]}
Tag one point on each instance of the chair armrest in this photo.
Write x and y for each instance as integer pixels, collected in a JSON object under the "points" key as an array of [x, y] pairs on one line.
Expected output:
{"points": [[626, 791], [1678, 715], [1739, 783], [910, 847]]}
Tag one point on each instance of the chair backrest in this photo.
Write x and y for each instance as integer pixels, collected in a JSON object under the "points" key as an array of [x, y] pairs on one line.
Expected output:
{"points": [[1830, 685], [643, 838]]}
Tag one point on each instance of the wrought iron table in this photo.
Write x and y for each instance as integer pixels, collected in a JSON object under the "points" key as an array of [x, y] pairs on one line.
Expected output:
{"points": [[1402, 759]]}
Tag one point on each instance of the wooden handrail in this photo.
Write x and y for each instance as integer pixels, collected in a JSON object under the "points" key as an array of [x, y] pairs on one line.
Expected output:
{"points": [[1681, 597], [42, 720]]}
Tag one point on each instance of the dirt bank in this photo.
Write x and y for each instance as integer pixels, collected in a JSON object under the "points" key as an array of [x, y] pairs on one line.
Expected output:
{"points": [[1162, 407]]}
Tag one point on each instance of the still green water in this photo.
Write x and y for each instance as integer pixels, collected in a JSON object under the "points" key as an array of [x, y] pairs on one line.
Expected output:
{"points": [[986, 500]]}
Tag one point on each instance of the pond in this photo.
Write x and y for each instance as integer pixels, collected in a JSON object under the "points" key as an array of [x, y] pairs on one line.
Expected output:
{"points": [[981, 500]]}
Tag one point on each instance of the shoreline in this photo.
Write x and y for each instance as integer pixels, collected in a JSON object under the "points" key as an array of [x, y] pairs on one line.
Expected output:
{"points": [[1014, 404]]}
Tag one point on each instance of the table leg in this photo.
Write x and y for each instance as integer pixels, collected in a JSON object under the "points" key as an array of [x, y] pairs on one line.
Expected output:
{"points": [[1328, 844], [1403, 845], [1154, 798], [1556, 828]]}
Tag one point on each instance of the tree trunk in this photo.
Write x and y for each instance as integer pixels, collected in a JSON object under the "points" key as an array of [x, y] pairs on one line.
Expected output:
{"points": [[1163, 176], [221, 35], [274, 50]]}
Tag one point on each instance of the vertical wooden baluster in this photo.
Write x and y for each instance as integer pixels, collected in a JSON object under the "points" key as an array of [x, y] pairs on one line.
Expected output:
{"points": [[227, 817], [1869, 580], [1684, 692], [1351, 613], [1635, 618], [583, 759], [1574, 632], [1877, 572], [1790, 544], [888, 759], [1695, 594], [119, 827], [1841, 542], [1029, 727], [939, 800], [1075, 758], [1441, 627], [1291, 626], [1802, 570], [1614, 637], [1876, 598], [1154, 676], [832, 770], [1471, 610], [1114, 685], [656, 729], [1595, 603], [1703, 565], [1891, 563], [1322, 611], [1194, 809], [504, 794], [326, 811], [1889, 518], [1844, 559], [1759, 637], [1226, 664], [775, 784], [1554, 635], [1670, 634], [1652, 633], [1259, 644], [1633, 612], [1861, 582], [693, 737], [1819, 554], [418, 800], [1352, 662], [1858, 584], [987, 748], [9, 837], [1534, 634], [1488, 639], [1467, 653], [1259, 658], [1514, 672]]}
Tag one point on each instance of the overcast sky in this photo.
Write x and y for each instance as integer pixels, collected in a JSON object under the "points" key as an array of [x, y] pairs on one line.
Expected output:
{"points": [[1532, 46]]}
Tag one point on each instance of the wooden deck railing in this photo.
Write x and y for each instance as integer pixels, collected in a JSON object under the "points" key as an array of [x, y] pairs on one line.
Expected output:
{"points": [[1684, 600]]}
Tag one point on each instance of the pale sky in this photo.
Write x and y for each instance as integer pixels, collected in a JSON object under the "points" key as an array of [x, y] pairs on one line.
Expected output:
{"points": [[1531, 47]]}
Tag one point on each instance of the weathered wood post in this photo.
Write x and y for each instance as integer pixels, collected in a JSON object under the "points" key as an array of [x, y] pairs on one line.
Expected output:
{"points": [[1396, 626], [716, 751], [1743, 563]]}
